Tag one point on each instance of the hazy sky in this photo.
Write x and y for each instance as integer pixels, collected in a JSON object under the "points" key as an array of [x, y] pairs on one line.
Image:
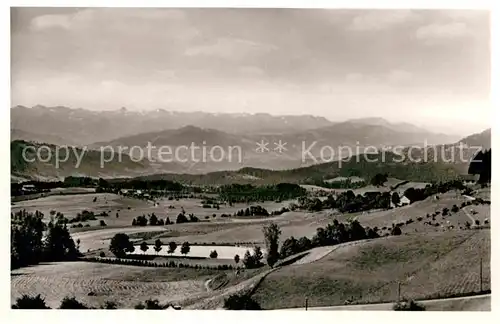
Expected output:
{"points": [[431, 68]]}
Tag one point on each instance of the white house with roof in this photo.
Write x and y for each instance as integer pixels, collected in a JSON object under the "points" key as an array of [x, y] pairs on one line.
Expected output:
{"points": [[403, 201]]}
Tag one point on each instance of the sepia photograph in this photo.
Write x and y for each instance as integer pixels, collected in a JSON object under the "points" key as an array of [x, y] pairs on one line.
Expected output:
{"points": [[174, 158]]}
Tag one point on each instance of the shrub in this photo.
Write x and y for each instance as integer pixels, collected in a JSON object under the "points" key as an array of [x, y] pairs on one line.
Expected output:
{"points": [[213, 254], [406, 305], [109, 305], [102, 254], [102, 223], [72, 303], [241, 302], [27, 302], [396, 230]]}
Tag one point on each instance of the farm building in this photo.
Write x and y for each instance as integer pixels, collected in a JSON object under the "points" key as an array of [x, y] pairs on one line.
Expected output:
{"points": [[404, 201], [29, 187]]}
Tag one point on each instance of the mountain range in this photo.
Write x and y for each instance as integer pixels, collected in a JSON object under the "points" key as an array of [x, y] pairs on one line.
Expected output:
{"points": [[257, 137], [63, 125]]}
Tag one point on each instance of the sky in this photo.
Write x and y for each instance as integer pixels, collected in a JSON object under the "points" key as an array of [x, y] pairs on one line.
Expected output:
{"points": [[427, 67]]}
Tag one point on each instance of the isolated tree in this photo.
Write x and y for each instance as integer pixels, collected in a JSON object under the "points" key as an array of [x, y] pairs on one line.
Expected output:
{"points": [[396, 230], [28, 302], [102, 223], [185, 248], [120, 245], [144, 247], [158, 246], [272, 234], [153, 220], [72, 303], [236, 259], [257, 255], [378, 180], [213, 254], [172, 246], [249, 260], [395, 198]]}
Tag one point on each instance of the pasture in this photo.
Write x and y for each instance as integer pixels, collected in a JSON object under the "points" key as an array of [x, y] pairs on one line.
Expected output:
{"points": [[129, 208], [428, 265], [430, 261], [95, 283]]}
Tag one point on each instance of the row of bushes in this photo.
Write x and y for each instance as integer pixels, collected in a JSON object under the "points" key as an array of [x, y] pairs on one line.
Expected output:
{"points": [[38, 302], [332, 234], [146, 263], [80, 225]]}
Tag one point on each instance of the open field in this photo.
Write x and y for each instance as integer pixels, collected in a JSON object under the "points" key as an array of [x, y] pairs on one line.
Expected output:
{"points": [[126, 285], [431, 262], [291, 223], [428, 265], [386, 218], [129, 208]]}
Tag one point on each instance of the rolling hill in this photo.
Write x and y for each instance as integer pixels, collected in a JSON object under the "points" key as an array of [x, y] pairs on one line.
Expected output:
{"points": [[428, 265], [47, 167], [482, 139]]}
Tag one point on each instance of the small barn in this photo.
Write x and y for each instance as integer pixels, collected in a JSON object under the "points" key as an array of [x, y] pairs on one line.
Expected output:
{"points": [[404, 201]]}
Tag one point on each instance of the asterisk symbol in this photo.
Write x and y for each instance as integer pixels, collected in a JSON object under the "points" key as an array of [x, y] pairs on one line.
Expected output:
{"points": [[262, 147], [280, 146]]}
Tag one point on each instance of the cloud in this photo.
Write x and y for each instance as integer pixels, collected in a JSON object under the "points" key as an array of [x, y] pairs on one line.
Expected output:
{"points": [[436, 33], [109, 16], [230, 48], [251, 71], [358, 78], [467, 15], [51, 21], [394, 77], [399, 76], [382, 19]]}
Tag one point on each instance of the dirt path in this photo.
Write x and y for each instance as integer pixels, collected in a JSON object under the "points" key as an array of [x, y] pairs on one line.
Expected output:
{"points": [[470, 216], [470, 303]]}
